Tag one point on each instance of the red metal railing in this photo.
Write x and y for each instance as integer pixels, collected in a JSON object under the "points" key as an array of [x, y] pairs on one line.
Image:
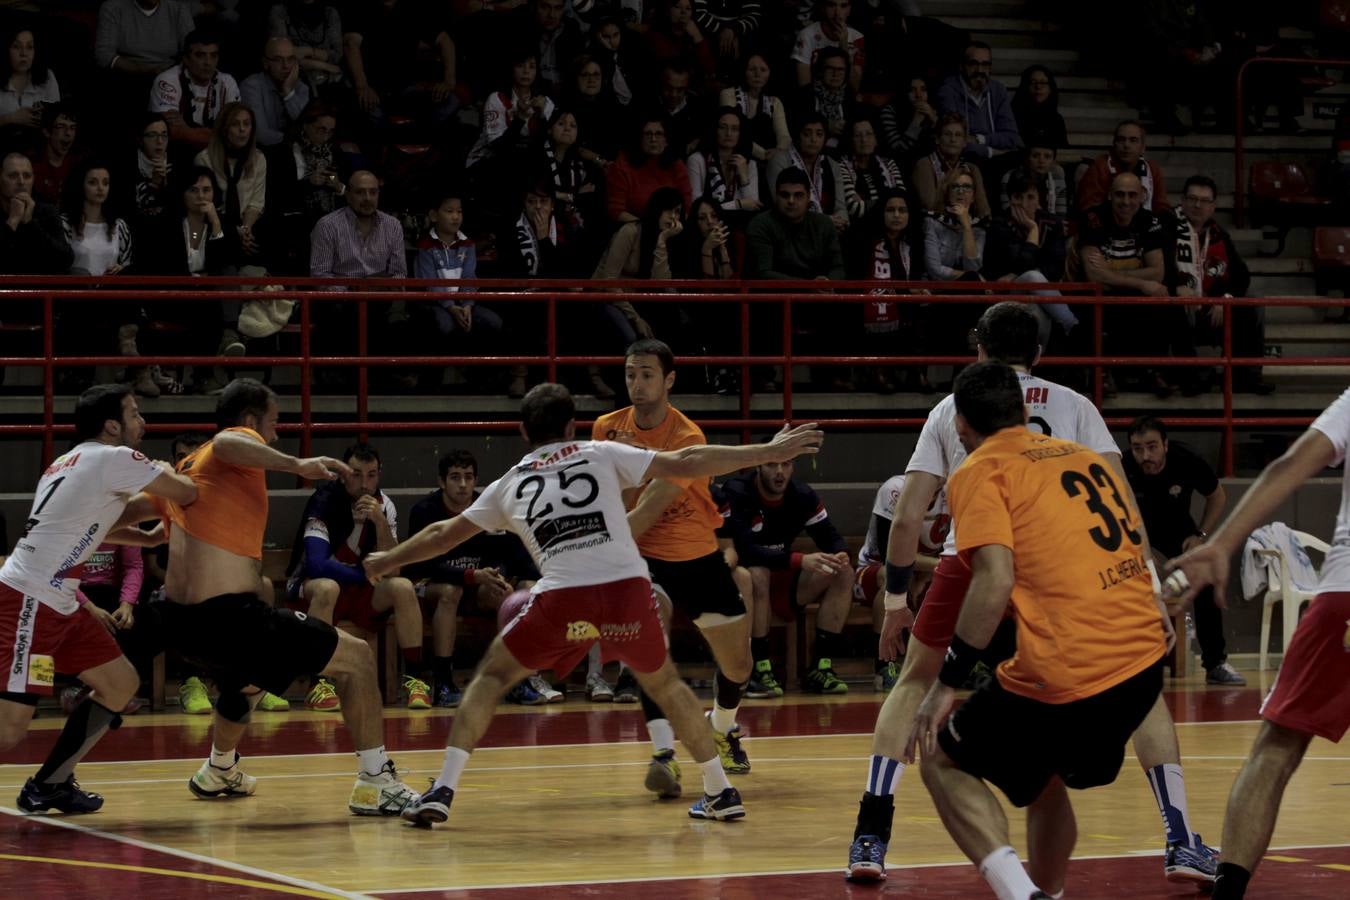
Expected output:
{"points": [[552, 294]]}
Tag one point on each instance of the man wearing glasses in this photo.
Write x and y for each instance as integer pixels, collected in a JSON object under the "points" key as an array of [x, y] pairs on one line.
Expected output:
{"points": [[276, 95], [983, 101]]}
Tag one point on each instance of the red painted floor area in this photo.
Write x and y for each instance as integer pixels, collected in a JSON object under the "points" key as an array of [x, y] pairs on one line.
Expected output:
{"points": [[309, 732], [1089, 879]]}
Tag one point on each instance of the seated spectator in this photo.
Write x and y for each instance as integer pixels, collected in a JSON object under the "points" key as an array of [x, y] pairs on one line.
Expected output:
{"points": [[476, 576], [60, 125], [144, 180], [724, 171], [241, 171], [513, 117], [194, 93], [649, 165], [276, 95], [931, 172], [555, 156], [555, 39], [953, 231], [830, 30], [1179, 60], [828, 188], [401, 60], [1125, 156], [769, 133], [315, 30], [140, 37], [188, 239], [828, 94], [733, 23], [790, 240], [344, 522], [869, 173], [672, 36], [601, 119], [1039, 164], [682, 110], [1207, 264], [710, 248], [983, 103], [886, 249], [26, 83], [621, 65], [538, 246], [1027, 245], [909, 125], [307, 176], [32, 239], [1035, 105]]}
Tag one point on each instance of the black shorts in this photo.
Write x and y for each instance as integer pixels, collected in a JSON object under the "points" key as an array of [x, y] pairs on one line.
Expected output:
{"points": [[698, 586], [1018, 744], [238, 641], [106, 597]]}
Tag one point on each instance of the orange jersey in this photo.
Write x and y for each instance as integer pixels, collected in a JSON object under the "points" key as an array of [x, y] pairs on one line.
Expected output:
{"points": [[686, 529], [1082, 597], [231, 508]]}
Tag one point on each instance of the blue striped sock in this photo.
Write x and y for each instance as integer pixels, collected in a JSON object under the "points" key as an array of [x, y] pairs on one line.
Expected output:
{"points": [[883, 775], [1170, 790]]}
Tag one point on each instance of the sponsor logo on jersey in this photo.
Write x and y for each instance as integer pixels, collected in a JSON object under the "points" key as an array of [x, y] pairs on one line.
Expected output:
{"points": [[582, 631], [629, 631], [572, 528], [61, 464], [72, 559], [27, 613]]}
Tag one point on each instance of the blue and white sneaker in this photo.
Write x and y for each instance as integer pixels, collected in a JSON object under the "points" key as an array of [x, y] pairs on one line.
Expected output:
{"points": [[866, 859], [448, 695], [1194, 865], [525, 695], [431, 808], [724, 807]]}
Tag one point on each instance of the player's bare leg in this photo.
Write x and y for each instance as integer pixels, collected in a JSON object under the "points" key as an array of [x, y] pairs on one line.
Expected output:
{"points": [[14, 720], [834, 592], [730, 645], [399, 595], [1159, 754], [1052, 832], [221, 776], [763, 684], [444, 628]]}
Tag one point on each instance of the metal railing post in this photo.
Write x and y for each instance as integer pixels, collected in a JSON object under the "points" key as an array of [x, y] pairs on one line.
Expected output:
{"points": [[745, 365], [551, 340], [48, 377], [1226, 449], [787, 359], [362, 373], [306, 380]]}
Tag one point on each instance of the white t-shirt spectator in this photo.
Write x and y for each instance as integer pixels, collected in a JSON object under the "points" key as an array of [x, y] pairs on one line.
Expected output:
{"points": [[811, 40], [166, 94]]}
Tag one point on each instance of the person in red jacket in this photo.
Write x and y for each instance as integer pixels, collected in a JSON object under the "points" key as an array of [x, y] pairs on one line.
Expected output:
{"points": [[1126, 156], [652, 163]]}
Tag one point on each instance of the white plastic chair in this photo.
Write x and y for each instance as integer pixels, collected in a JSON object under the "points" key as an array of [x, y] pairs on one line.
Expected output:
{"points": [[1280, 589]]}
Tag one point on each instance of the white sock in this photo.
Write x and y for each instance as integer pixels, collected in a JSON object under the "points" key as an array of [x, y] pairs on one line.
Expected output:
{"points": [[714, 779], [662, 735], [1004, 872], [455, 761], [1059, 894], [1169, 789], [723, 720], [593, 666], [222, 759], [372, 761]]}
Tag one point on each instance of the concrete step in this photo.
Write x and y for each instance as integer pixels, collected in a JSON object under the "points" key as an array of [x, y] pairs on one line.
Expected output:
{"points": [[1282, 286], [989, 24], [1290, 145], [1308, 332], [1280, 265], [956, 9]]}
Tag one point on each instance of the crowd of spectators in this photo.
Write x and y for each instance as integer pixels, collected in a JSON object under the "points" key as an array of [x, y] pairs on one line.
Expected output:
{"points": [[544, 138]]}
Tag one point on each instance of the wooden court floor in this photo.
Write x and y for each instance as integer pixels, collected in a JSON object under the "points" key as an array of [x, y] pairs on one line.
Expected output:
{"points": [[553, 805]]}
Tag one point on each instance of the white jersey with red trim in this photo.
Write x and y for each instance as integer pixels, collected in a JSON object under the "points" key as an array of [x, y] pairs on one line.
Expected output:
{"points": [[78, 499], [936, 522]]}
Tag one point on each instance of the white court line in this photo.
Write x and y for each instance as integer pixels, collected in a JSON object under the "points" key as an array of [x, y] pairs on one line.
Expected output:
{"points": [[715, 875], [184, 854]]}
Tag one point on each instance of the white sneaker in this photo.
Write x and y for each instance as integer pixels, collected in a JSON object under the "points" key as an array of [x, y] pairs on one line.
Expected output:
{"points": [[380, 795], [546, 690], [598, 689], [211, 781]]}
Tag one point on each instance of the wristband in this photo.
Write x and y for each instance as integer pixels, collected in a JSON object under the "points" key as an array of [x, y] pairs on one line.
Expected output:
{"points": [[958, 663], [901, 602], [1153, 576], [897, 578]]}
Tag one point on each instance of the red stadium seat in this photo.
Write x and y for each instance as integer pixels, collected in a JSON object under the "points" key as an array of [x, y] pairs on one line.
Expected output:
{"points": [[1331, 248], [1282, 194]]}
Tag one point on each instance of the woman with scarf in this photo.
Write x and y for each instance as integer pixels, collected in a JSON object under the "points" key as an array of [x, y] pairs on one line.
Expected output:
{"points": [[620, 61], [556, 159], [601, 119], [316, 31], [1035, 105], [829, 189], [889, 251], [870, 174], [241, 171], [931, 172], [725, 173], [144, 182], [908, 124], [307, 180], [649, 165], [827, 94], [769, 135]]}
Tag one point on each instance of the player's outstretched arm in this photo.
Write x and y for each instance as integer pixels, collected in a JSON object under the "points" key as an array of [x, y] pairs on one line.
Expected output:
{"points": [[171, 486], [429, 543], [707, 460], [1208, 564], [238, 449], [655, 499]]}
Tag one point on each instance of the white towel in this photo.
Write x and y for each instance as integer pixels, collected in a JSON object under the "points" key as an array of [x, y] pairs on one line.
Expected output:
{"points": [[1256, 569]]}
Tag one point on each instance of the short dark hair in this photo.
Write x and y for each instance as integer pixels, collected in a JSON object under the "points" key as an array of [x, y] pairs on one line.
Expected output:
{"points": [[545, 412], [202, 37], [653, 347], [1129, 123], [812, 118], [988, 396], [1147, 423], [242, 397], [96, 406], [1009, 332], [976, 45], [1203, 181], [457, 459], [191, 438], [52, 111], [1020, 181], [361, 452], [443, 193], [792, 175]]}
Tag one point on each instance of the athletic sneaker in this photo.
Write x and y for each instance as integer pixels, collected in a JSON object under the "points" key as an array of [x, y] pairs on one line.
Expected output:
{"points": [[270, 702], [66, 797], [1199, 864], [887, 677], [192, 698], [598, 689], [734, 759], [418, 691], [663, 775], [448, 695], [431, 807], [626, 689], [724, 807], [380, 795], [546, 690], [1224, 673], [525, 695], [323, 697], [866, 859], [212, 781], [763, 685], [822, 680]]}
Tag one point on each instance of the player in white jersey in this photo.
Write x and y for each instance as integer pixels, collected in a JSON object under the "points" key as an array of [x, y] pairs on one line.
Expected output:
{"points": [[1008, 333], [869, 576], [565, 501], [78, 505], [1309, 697]]}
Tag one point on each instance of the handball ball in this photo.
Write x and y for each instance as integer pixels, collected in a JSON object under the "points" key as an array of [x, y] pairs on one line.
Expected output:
{"points": [[511, 607]]}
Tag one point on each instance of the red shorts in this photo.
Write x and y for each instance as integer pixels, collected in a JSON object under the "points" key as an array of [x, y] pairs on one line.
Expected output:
{"points": [[1310, 693], [36, 642], [555, 629], [936, 622], [355, 604], [783, 593], [866, 584]]}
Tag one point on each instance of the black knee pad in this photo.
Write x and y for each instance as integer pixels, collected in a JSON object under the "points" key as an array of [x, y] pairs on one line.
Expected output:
{"points": [[234, 706]]}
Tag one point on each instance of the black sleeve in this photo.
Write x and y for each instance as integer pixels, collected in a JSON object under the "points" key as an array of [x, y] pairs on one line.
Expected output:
{"points": [[1239, 276], [1201, 476], [821, 530], [883, 530], [750, 551]]}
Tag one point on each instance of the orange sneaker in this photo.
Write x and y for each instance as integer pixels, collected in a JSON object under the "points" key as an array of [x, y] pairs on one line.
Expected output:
{"points": [[323, 697], [418, 691]]}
